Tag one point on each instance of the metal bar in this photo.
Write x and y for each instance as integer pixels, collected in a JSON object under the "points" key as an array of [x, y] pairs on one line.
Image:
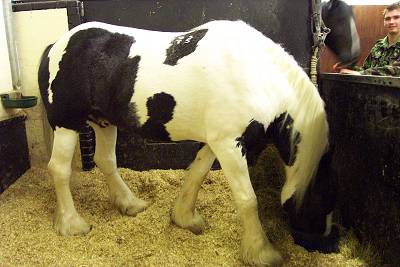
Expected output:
{"points": [[368, 79], [12, 48]]}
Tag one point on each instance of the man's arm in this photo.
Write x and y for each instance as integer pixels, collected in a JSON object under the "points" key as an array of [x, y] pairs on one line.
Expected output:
{"points": [[356, 70], [387, 70]]}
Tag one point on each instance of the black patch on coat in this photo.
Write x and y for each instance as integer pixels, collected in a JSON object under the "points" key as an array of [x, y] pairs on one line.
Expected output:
{"points": [[253, 141], [95, 78], [317, 242], [308, 223], [160, 109], [183, 45], [279, 132]]}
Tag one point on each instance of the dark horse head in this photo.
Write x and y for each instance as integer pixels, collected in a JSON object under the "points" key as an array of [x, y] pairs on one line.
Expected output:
{"points": [[311, 224], [343, 38], [311, 220]]}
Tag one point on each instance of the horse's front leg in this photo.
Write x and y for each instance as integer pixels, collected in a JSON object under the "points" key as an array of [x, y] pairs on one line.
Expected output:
{"points": [[255, 248], [120, 194], [184, 213], [67, 221]]}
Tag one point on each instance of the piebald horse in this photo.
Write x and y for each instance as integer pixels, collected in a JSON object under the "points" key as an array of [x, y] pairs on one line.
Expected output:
{"points": [[223, 84]]}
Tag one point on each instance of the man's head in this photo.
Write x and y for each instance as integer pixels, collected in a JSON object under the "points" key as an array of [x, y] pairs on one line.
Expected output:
{"points": [[391, 19]]}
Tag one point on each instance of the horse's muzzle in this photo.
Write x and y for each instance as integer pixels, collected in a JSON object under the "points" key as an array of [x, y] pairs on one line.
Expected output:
{"points": [[318, 242]]}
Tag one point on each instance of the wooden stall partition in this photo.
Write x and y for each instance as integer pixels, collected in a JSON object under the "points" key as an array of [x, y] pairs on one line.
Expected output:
{"points": [[369, 23], [364, 126]]}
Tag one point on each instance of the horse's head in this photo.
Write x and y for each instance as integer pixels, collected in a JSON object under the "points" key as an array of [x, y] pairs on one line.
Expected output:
{"points": [[311, 223], [343, 38], [308, 201]]}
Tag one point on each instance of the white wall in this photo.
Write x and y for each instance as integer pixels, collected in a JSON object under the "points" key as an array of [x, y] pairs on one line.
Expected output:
{"points": [[34, 31], [5, 73]]}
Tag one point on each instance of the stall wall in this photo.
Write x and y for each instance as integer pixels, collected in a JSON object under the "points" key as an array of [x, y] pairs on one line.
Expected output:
{"points": [[363, 114], [286, 22], [34, 31], [5, 73]]}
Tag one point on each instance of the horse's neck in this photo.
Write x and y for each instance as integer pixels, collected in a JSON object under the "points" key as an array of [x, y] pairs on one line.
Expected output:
{"points": [[309, 121]]}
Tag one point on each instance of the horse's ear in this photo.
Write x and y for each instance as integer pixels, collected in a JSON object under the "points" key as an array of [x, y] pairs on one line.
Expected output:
{"points": [[326, 6], [335, 3]]}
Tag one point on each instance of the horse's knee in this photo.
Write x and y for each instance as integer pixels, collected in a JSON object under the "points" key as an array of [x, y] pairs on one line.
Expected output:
{"points": [[248, 207], [251, 203], [63, 151], [107, 165], [59, 170]]}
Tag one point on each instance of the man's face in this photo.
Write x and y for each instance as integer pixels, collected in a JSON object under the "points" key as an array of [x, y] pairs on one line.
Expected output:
{"points": [[392, 21]]}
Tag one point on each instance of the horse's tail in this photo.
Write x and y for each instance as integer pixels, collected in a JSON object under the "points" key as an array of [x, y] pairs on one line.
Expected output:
{"points": [[44, 75], [307, 109]]}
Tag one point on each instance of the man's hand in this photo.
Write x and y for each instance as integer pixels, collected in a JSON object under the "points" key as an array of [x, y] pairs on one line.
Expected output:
{"points": [[347, 71], [343, 70]]}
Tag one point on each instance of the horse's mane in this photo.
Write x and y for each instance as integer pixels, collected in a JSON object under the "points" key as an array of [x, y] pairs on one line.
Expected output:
{"points": [[309, 121], [304, 104]]}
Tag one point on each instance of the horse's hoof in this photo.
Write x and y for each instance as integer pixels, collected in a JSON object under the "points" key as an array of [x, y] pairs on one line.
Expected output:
{"points": [[192, 221], [261, 254], [198, 224], [132, 207], [71, 225], [273, 258]]}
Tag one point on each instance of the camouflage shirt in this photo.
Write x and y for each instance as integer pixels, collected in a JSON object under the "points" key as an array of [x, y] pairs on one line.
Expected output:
{"points": [[383, 59]]}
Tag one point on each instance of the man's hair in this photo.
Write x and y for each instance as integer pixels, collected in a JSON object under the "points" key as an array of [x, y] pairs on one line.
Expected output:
{"points": [[391, 7]]}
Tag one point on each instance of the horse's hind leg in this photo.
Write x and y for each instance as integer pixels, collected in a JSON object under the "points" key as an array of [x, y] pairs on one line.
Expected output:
{"points": [[67, 220], [184, 213], [104, 157], [255, 248]]}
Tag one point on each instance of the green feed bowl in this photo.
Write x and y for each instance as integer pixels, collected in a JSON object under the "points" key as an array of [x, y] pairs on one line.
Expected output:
{"points": [[20, 102]]}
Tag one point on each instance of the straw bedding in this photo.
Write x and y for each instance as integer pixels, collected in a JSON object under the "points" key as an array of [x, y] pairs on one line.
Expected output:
{"points": [[149, 239]]}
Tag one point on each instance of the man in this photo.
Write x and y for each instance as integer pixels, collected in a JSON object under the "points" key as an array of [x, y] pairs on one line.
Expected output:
{"points": [[384, 57]]}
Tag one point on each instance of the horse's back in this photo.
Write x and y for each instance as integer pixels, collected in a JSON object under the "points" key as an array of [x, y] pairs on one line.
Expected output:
{"points": [[217, 71], [225, 77]]}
